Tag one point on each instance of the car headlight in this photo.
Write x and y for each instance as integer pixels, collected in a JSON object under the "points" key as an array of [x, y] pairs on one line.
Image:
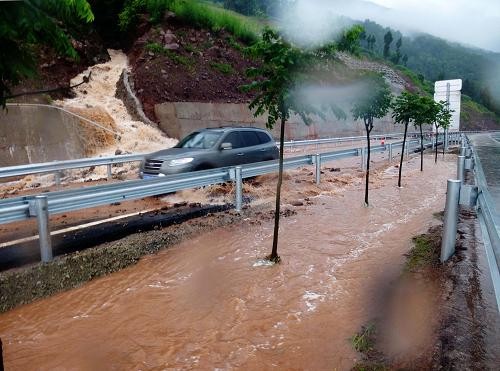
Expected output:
{"points": [[180, 161]]}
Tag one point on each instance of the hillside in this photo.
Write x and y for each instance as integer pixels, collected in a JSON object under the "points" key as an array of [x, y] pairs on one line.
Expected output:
{"points": [[436, 59], [194, 52]]}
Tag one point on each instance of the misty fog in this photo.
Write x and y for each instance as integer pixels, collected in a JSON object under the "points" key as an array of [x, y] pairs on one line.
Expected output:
{"points": [[475, 23]]}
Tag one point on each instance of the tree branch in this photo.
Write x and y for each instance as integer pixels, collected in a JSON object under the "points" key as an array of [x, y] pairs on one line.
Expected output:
{"points": [[85, 80]]}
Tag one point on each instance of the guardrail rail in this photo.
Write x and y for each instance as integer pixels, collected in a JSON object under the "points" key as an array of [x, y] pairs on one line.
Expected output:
{"points": [[43, 205]]}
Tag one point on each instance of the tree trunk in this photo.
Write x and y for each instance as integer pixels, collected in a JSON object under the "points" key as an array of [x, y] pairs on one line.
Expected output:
{"points": [[436, 156], [402, 154], [421, 149], [274, 257], [444, 139], [368, 130]]}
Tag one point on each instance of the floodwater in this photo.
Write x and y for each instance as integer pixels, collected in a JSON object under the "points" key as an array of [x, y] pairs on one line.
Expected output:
{"points": [[209, 303], [99, 93]]}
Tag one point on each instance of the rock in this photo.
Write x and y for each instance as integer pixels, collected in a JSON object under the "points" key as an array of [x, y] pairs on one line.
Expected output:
{"points": [[335, 169], [169, 38], [151, 54], [118, 152], [172, 46], [297, 203]]}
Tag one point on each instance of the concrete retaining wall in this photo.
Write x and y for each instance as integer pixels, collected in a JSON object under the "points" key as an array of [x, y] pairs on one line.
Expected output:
{"points": [[30, 134], [181, 118]]}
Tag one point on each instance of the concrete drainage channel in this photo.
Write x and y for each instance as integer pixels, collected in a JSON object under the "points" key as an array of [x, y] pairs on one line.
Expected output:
{"points": [[42, 206]]}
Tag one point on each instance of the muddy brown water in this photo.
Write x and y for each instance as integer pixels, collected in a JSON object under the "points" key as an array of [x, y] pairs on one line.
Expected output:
{"points": [[208, 303]]}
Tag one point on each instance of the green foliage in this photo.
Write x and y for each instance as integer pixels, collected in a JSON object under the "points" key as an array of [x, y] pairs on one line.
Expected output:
{"points": [[442, 118], [133, 8], [388, 38], [173, 56], [374, 103], [427, 111], [438, 59], [223, 68], [424, 253], [196, 14], [364, 341], [416, 80], [31, 22], [284, 69], [253, 7], [350, 40], [405, 108]]}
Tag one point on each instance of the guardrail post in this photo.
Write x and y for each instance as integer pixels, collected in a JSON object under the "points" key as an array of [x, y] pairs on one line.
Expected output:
{"points": [[42, 217], [450, 219], [57, 178], [317, 160], [390, 152], [461, 168], [239, 188], [110, 172], [407, 150]]}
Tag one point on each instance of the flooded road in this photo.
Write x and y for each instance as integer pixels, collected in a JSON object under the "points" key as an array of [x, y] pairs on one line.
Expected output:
{"points": [[208, 303]]}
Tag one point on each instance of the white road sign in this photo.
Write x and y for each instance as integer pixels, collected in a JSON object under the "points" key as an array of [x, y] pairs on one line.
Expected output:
{"points": [[455, 85], [450, 91]]}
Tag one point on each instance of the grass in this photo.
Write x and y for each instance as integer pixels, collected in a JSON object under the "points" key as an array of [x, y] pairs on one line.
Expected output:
{"points": [[190, 48], [424, 252], [174, 57], [195, 13], [223, 68], [206, 16], [364, 341], [418, 81]]}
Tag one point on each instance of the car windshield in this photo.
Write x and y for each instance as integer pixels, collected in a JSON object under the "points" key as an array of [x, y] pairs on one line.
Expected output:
{"points": [[202, 140]]}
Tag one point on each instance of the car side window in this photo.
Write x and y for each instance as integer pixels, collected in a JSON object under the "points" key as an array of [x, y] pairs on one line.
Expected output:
{"points": [[234, 138], [263, 137], [250, 138]]}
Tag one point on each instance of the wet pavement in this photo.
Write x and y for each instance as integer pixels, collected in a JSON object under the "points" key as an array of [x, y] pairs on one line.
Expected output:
{"points": [[210, 303], [487, 147]]}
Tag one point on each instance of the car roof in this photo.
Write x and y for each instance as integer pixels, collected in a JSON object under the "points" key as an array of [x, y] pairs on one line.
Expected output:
{"points": [[230, 128]]}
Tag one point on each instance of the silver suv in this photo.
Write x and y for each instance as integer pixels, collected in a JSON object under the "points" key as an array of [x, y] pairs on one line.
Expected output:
{"points": [[211, 148]]}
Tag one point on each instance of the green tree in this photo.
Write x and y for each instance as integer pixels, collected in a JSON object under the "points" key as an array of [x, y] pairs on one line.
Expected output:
{"points": [[25, 24], [397, 55], [374, 104], [405, 109], [349, 41], [405, 60], [426, 114], [388, 38], [443, 121], [283, 70]]}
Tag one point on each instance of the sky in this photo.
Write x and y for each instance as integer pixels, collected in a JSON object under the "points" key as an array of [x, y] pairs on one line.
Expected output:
{"points": [[470, 22], [473, 22]]}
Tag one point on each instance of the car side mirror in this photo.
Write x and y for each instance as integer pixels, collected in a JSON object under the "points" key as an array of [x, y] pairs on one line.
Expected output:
{"points": [[226, 146]]}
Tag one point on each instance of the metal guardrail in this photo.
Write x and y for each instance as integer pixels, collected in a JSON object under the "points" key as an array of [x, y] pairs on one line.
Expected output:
{"points": [[489, 220], [57, 166], [43, 205], [459, 193]]}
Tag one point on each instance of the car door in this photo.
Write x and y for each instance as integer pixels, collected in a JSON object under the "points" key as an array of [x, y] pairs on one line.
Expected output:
{"points": [[254, 151], [235, 155]]}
